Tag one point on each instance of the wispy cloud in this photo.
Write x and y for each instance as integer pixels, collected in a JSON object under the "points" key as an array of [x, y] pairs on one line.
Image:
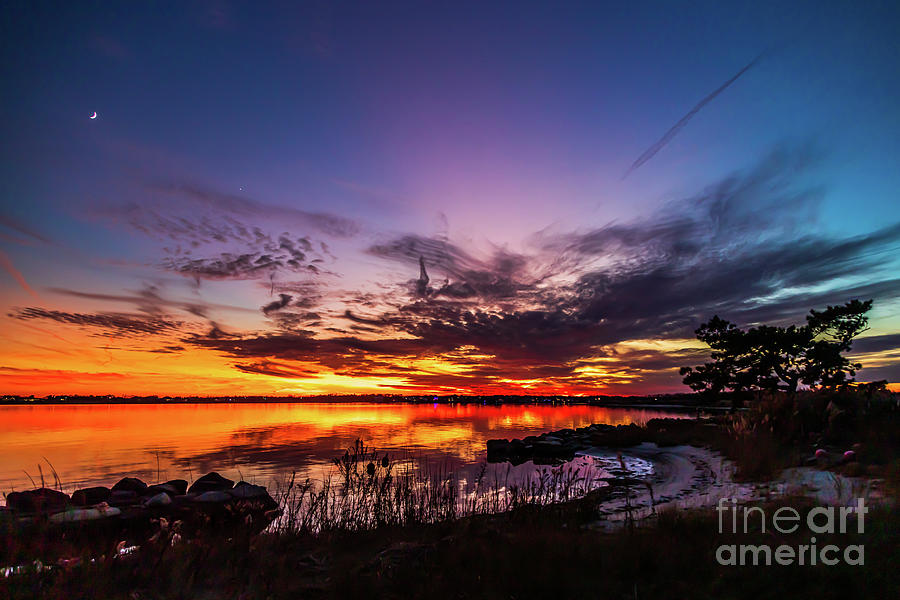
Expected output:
{"points": [[10, 268], [108, 323]]}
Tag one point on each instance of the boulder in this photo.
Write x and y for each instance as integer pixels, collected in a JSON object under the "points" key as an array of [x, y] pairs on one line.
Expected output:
{"points": [[130, 484], [90, 496], [85, 514], [183, 500], [497, 446], [180, 486], [254, 497], [247, 491], [123, 498], [211, 482], [213, 497], [39, 500], [160, 500], [162, 488]]}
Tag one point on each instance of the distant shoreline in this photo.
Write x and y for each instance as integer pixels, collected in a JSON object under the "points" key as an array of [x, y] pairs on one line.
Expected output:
{"points": [[673, 401]]}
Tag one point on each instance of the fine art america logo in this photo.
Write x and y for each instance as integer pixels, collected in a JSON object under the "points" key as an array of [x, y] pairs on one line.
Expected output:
{"points": [[820, 520]]}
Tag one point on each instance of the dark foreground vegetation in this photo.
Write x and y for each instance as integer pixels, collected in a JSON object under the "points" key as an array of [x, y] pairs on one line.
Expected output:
{"points": [[379, 531], [528, 553]]}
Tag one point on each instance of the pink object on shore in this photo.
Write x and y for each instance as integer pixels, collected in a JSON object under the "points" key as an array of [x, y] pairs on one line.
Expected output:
{"points": [[820, 453], [849, 454]]}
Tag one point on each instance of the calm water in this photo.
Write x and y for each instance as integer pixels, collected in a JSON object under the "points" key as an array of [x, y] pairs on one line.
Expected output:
{"points": [[98, 444]]}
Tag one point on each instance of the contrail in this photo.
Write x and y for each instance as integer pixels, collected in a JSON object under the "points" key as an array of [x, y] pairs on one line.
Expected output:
{"points": [[11, 269], [671, 133]]}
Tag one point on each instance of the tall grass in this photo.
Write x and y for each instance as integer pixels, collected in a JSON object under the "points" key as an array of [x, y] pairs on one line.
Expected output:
{"points": [[371, 490]]}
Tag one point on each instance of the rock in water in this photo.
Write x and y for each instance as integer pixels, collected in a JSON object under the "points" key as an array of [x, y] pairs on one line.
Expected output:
{"points": [[39, 500], [246, 491], [254, 497], [130, 484], [123, 498], [180, 486], [159, 500], [213, 497], [90, 496], [85, 514], [162, 488], [211, 482]]}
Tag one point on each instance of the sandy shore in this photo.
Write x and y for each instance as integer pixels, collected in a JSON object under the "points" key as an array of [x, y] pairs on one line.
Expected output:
{"points": [[692, 477]]}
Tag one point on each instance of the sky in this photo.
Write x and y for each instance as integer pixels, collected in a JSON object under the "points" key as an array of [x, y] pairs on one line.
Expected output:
{"points": [[436, 197]]}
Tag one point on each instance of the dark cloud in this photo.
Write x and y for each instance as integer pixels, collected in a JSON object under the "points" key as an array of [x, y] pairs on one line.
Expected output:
{"points": [[174, 349], [262, 256], [283, 300], [150, 300], [877, 343], [501, 276], [111, 323]]}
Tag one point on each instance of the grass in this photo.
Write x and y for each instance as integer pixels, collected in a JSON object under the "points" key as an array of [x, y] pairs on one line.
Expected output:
{"points": [[371, 491], [529, 552]]}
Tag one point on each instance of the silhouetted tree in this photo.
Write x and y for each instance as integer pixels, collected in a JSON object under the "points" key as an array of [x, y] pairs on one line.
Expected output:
{"points": [[769, 358]]}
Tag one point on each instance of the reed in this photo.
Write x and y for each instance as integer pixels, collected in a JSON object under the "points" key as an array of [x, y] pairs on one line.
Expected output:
{"points": [[371, 490]]}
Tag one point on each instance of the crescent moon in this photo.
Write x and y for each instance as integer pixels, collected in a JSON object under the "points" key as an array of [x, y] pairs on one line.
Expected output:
{"points": [[94, 116]]}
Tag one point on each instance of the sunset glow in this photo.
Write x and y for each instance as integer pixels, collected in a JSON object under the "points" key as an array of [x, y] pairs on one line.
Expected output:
{"points": [[489, 200]]}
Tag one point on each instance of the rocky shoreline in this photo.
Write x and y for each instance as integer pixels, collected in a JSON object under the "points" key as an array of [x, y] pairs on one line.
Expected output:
{"points": [[560, 446], [132, 506]]}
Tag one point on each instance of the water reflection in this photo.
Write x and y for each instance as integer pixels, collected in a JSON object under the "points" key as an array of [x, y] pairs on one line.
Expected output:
{"points": [[97, 444]]}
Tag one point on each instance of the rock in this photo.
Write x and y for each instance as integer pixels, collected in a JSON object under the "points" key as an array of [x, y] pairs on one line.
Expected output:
{"points": [[247, 491], [253, 497], [90, 496], [85, 514], [497, 446], [159, 500], [130, 484], [211, 482], [213, 497], [123, 498], [184, 500], [180, 486], [162, 488], [39, 500]]}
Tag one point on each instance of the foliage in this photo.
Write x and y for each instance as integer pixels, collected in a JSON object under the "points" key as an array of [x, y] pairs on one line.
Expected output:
{"points": [[773, 358]]}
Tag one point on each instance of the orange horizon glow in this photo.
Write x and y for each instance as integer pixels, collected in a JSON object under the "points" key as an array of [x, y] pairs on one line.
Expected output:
{"points": [[257, 441]]}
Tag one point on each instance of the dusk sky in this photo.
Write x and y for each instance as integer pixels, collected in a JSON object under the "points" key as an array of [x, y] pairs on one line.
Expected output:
{"points": [[436, 197]]}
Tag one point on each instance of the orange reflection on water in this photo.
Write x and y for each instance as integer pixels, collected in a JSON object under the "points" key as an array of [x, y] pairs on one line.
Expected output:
{"points": [[98, 444]]}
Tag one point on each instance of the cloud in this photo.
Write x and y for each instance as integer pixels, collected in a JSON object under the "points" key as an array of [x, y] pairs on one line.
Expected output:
{"points": [[501, 275], [242, 207], [10, 268], [284, 300], [552, 317], [150, 301], [877, 343], [215, 236], [115, 323], [17, 226]]}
